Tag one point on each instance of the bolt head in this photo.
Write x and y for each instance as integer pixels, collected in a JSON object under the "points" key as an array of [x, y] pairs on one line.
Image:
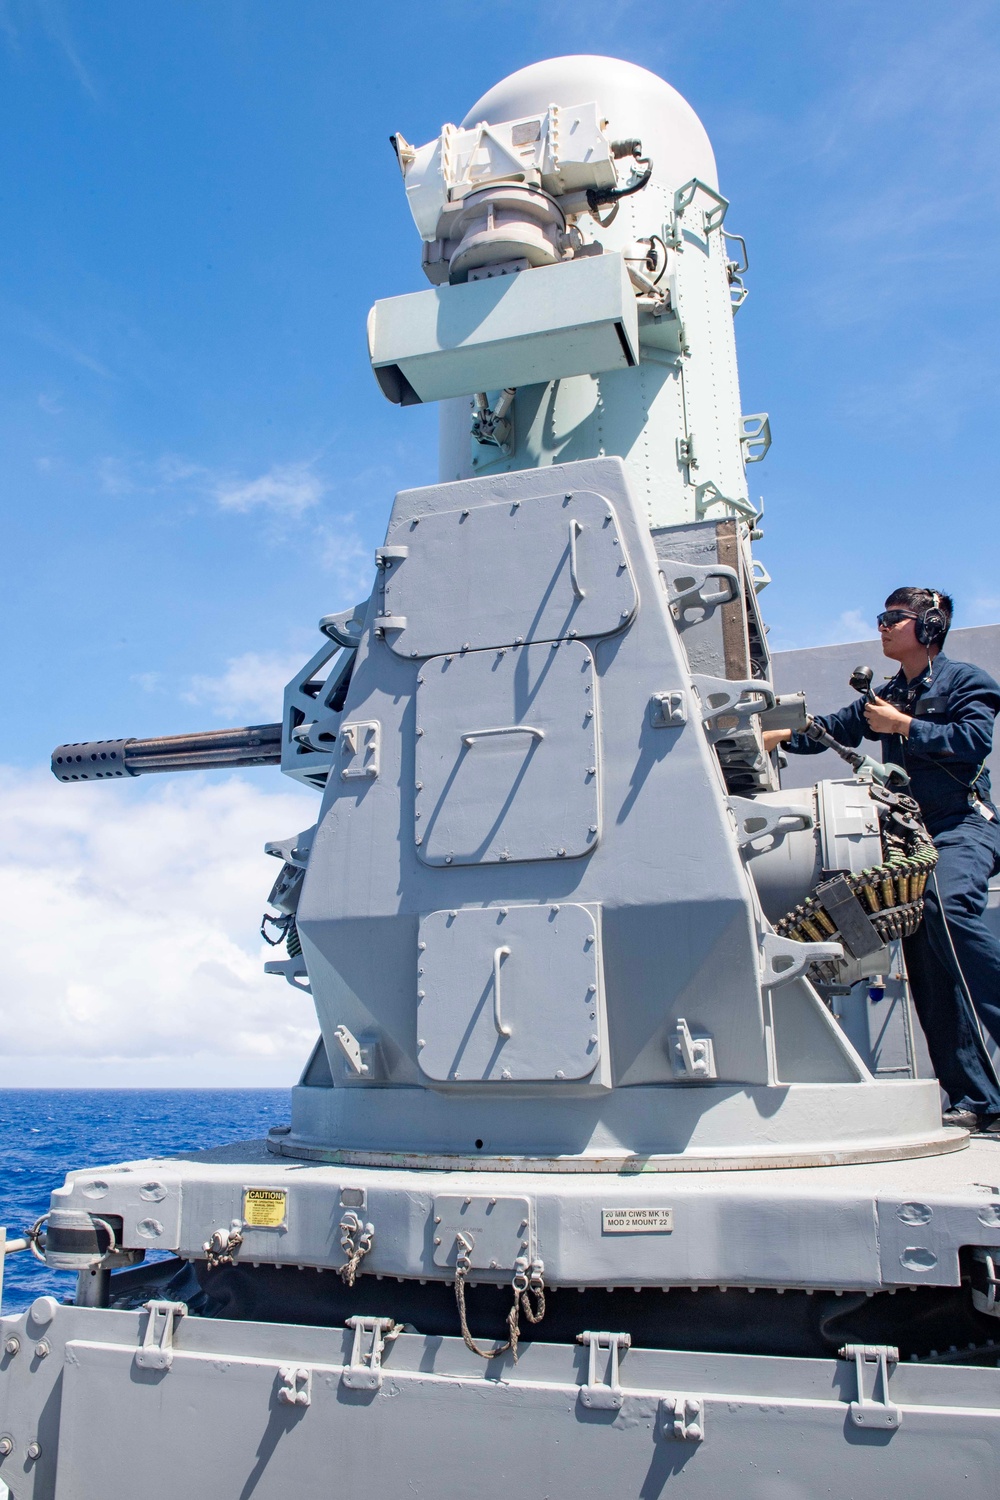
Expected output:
{"points": [[34, 1449], [42, 1349], [11, 1345], [6, 1447]]}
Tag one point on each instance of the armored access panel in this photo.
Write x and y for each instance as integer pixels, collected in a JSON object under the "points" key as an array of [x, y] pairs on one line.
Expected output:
{"points": [[506, 755]]}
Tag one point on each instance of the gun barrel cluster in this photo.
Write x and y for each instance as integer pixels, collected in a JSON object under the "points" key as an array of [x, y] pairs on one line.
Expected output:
{"points": [[212, 749]]}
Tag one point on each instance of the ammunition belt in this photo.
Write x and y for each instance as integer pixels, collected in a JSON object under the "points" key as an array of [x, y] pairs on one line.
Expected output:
{"points": [[891, 894]]}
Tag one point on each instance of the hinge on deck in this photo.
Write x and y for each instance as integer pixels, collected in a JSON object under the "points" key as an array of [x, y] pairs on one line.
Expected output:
{"points": [[157, 1349], [683, 1418], [603, 1395], [867, 1411], [364, 1373]]}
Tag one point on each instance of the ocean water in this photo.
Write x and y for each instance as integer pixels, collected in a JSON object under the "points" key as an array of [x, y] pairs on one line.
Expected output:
{"points": [[44, 1133]]}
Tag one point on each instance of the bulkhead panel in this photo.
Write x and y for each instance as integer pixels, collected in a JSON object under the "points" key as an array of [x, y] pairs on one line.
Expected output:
{"points": [[537, 569], [507, 763]]}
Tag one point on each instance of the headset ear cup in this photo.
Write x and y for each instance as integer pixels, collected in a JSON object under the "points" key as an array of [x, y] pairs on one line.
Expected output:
{"points": [[931, 627]]}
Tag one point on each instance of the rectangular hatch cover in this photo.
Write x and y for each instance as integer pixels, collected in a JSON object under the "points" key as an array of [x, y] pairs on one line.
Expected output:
{"points": [[506, 755], [492, 575], [508, 994]]}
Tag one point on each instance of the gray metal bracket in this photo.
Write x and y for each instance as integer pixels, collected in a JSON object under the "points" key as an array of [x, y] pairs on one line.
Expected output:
{"points": [[359, 1053], [683, 198], [708, 493], [755, 820], [346, 627], [668, 710], [685, 584], [607, 1394], [871, 1410], [156, 1351], [722, 697], [986, 1271], [296, 1385], [360, 749], [693, 1057], [755, 436], [364, 1373], [683, 1418], [291, 969], [386, 559], [783, 959]]}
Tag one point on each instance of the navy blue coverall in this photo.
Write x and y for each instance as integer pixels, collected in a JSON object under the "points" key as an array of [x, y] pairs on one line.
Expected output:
{"points": [[953, 706]]}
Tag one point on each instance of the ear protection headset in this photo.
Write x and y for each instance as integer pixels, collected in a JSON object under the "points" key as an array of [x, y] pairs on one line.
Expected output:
{"points": [[931, 627]]}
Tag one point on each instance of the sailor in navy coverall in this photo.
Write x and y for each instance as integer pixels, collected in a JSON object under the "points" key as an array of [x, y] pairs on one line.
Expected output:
{"points": [[935, 718]]}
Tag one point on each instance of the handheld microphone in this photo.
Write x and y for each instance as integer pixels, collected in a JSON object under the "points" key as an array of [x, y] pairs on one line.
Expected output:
{"points": [[861, 682]]}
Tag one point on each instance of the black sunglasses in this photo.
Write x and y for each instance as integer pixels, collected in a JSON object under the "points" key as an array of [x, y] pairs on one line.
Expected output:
{"points": [[890, 617]]}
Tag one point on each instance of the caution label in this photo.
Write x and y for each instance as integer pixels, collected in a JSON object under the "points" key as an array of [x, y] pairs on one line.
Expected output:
{"points": [[264, 1208], [637, 1220]]}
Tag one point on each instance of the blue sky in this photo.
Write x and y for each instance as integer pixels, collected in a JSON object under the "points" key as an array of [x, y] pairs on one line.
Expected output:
{"points": [[199, 205]]}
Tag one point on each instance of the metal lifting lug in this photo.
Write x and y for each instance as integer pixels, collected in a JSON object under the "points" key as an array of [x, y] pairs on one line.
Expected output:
{"points": [[686, 586], [757, 820], [364, 1373], [725, 698], [867, 1411], [603, 1395], [783, 959], [296, 1385], [683, 1418], [668, 710], [157, 1349], [693, 1057]]}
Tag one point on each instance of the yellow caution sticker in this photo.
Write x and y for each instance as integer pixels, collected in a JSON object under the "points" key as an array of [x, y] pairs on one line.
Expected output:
{"points": [[264, 1208]]}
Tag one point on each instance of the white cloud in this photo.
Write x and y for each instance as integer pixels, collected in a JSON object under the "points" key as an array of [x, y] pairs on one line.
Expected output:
{"points": [[134, 946], [984, 610], [850, 625], [288, 489], [252, 683]]}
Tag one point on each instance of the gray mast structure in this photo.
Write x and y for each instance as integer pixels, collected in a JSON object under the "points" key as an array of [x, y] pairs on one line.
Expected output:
{"points": [[613, 1199]]}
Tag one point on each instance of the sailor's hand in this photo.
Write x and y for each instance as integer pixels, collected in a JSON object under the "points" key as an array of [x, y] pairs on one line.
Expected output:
{"points": [[774, 737], [884, 719]]}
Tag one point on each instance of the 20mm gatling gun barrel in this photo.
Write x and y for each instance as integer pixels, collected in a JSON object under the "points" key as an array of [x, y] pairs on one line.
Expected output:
{"points": [[210, 750]]}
